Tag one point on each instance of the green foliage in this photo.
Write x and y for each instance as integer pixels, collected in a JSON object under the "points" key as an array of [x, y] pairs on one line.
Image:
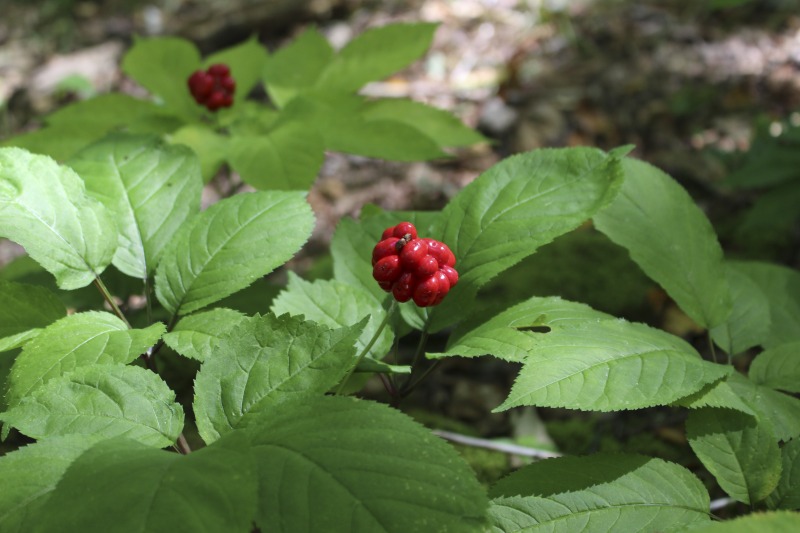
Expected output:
{"points": [[604, 492], [196, 336], [787, 493], [24, 310], [778, 367]]}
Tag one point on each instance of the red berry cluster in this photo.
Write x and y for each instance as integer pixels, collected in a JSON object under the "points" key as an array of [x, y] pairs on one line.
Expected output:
{"points": [[413, 268], [214, 87]]}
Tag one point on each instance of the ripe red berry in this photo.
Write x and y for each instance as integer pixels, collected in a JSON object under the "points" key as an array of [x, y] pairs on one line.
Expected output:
{"points": [[452, 275], [426, 267], [441, 252], [387, 269], [412, 253], [404, 228], [426, 291], [404, 287], [213, 87], [219, 70], [384, 248]]}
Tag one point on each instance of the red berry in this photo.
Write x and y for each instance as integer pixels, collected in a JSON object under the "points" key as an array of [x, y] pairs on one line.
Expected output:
{"points": [[404, 287], [386, 285], [229, 84], [387, 269], [215, 101], [412, 253], [426, 266], [384, 248], [404, 228], [426, 291], [444, 286], [200, 85], [441, 252], [219, 70], [227, 100], [388, 232], [452, 275]]}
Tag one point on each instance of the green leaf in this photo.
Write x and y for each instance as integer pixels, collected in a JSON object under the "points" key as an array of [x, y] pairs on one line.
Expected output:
{"points": [[336, 304], [338, 119], [749, 322], [361, 467], [109, 400], [608, 366], [510, 210], [133, 488], [671, 239], [718, 394], [592, 365], [604, 492], [162, 65], [780, 411], [781, 285], [74, 341], [228, 246], [79, 124], [296, 66], [778, 367], [24, 308], [287, 158], [30, 474], [149, 187], [787, 494], [264, 361], [210, 147], [44, 207], [197, 336], [506, 336], [18, 340], [774, 522], [246, 61], [738, 450], [375, 54], [438, 124]]}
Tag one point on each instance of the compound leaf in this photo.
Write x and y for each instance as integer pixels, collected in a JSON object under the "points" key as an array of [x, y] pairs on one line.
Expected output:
{"points": [[45, 208], [228, 246], [110, 400], [150, 188]]}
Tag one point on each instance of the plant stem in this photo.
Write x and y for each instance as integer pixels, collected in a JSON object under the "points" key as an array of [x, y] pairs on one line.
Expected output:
{"points": [[147, 303], [183, 445], [504, 447], [110, 299], [423, 339], [368, 347], [711, 347], [411, 385]]}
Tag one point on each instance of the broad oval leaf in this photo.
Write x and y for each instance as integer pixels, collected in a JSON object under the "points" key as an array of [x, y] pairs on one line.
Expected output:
{"points": [[210, 147], [376, 54], [518, 205], [246, 61], [288, 157], [77, 340], [25, 307], [134, 488], [778, 367], [104, 400], [361, 467], [779, 411], [266, 360], [230, 245], [671, 239], [150, 188], [781, 285], [749, 322], [196, 336], [506, 336], [772, 522], [739, 450], [296, 66], [335, 304], [787, 494], [604, 492], [607, 366], [30, 474], [45, 208]]}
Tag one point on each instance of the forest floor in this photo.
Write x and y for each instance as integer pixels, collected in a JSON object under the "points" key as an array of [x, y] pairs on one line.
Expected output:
{"points": [[688, 86]]}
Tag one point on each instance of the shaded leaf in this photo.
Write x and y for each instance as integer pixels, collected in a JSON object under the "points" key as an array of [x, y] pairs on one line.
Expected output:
{"points": [[778, 367], [671, 239], [387, 475], [24, 308], [774, 522], [749, 322], [787, 494], [296, 66]]}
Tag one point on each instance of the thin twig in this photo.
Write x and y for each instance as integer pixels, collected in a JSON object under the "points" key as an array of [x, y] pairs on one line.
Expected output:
{"points": [[711, 346], [504, 447], [110, 299], [367, 348], [183, 445]]}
